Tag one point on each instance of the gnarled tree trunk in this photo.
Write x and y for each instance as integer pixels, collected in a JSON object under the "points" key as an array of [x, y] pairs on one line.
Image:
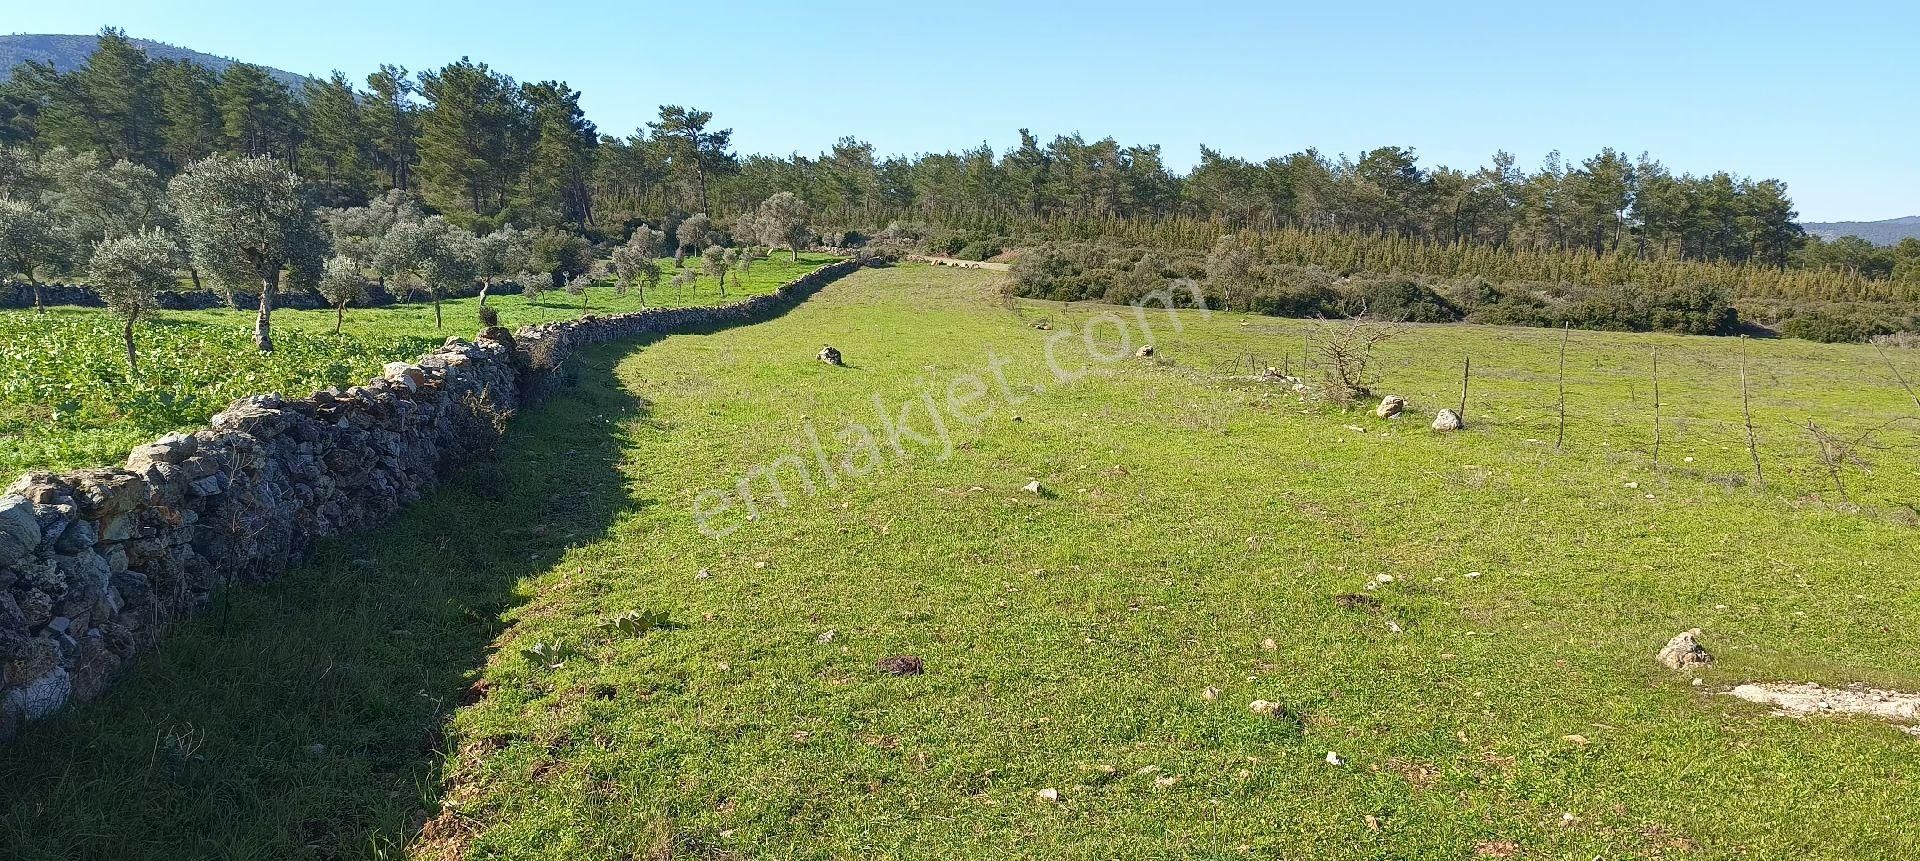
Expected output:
{"points": [[263, 324], [126, 334]]}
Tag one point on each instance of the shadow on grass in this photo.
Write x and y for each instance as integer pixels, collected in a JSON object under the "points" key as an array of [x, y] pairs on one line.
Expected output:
{"points": [[301, 718]]}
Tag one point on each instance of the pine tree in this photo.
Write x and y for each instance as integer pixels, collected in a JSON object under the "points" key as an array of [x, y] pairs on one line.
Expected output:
{"points": [[189, 119], [258, 116], [121, 99], [471, 139], [561, 162], [392, 125], [336, 141]]}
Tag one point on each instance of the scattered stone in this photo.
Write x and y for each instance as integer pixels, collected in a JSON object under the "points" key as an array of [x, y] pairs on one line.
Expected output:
{"points": [[1357, 602], [1031, 487], [1048, 795], [1473, 575], [1210, 694], [1800, 700], [1043, 325], [1335, 759], [1447, 420], [1267, 709], [1575, 740], [831, 356], [1390, 406], [1145, 351], [703, 574], [1684, 651], [901, 665], [827, 636], [1269, 645]]}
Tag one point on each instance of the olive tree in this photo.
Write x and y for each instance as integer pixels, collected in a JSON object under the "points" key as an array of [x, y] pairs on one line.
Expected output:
{"points": [[740, 260], [715, 262], [450, 265], [247, 218], [358, 231], [684, 281], [29, 243], [340, 286], [782, 220], [500, 254], [129, 272], [637, 262], [691, 234], [438, 253], [577, 285]]}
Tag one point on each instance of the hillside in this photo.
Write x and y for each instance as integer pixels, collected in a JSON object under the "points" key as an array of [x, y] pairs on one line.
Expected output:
{"points": [[1887, 232], [69, 52]]}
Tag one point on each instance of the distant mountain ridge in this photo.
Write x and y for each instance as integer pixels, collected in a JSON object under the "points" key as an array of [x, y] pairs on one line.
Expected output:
{"points": [[71, 52], [1888, 232]]}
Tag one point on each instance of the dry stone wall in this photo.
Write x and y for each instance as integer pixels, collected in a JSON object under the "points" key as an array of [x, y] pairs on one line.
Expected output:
{"points": [[95, 563]]}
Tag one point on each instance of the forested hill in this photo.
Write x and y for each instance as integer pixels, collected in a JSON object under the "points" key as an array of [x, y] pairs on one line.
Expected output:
{"points": [[1888, 232], [71, 52]]}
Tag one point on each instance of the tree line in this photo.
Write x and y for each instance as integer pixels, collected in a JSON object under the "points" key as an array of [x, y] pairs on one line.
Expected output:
{"points": [[251, 224], [486, 150]]}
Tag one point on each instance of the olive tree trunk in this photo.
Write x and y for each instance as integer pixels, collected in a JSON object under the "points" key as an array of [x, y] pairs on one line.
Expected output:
{"points": [[263, 323], [126, 335]]}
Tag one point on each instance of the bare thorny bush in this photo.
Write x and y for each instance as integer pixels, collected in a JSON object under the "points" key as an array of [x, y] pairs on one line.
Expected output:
{"points": [[1347, 368], [1837, 454]]}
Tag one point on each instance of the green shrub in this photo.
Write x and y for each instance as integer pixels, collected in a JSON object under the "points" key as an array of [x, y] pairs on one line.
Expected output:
{"points": [[1835, 327]]}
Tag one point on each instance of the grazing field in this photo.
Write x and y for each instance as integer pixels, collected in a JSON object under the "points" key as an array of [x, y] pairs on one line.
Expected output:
{"points": [[66, 400], [550, 659]]}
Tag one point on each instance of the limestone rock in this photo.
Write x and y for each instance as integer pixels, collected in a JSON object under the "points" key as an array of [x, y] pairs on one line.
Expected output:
{"points": [[1145, 351], [36, 699], [19, 529], [1390, 406], [831, 356], [172, 448], [1684, 651], [1448, 420], [1810, 699]]}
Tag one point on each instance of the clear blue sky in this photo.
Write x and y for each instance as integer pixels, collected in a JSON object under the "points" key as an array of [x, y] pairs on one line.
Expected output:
{"points": [[1825, 96]]}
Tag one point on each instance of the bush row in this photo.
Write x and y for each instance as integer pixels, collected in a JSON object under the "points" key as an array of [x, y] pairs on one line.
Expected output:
{"points": [[1067, 271]]}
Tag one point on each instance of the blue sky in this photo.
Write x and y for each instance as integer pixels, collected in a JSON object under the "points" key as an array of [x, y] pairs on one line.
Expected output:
{"points": [[1825, 96]]}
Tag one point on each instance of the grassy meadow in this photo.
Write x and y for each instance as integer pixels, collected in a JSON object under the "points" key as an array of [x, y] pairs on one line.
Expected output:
{"points": [[66, 399], [553, 658]]}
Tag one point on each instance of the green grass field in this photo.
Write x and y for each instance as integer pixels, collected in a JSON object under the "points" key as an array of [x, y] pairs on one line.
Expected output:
{"points": [[66, 399], [458, 684]]}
